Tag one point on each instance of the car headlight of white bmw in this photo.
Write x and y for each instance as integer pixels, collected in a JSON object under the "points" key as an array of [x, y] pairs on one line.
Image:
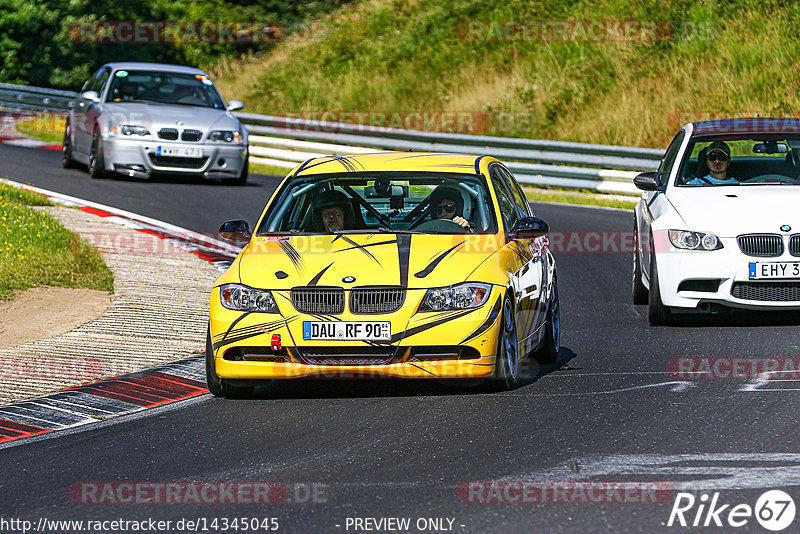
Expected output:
{"points": [[459, 297], [242, 298], [687, 240]]}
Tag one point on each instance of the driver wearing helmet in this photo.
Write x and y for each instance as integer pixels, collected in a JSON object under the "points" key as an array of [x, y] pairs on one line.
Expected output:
{"points": [[332, 211], [447, 203]]}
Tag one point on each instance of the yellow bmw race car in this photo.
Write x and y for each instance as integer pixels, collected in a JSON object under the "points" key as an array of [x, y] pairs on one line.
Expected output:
{"points": [[391, 265]]}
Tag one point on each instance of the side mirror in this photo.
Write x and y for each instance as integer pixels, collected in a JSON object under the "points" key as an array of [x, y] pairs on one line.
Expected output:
{"points": [[529, 228], [647, 181], [235, 105], [91, 96], [235, 231]]}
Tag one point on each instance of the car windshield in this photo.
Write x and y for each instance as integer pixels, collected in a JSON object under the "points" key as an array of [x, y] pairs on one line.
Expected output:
{"points": [[381, 202], [727, 161], [164, 88]]}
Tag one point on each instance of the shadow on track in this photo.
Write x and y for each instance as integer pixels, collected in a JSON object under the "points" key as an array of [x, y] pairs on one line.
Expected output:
{"points": [[727, 317], [530, 372]]}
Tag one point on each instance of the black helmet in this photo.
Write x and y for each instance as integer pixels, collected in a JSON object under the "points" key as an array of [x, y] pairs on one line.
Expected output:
{"points": [[447, 192], [328, 199]]}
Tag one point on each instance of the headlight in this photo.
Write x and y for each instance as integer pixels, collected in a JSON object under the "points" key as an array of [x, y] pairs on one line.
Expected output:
{"points": [[462, 296], [243, 298], [225, 136], [129, 129], [694, 240]]}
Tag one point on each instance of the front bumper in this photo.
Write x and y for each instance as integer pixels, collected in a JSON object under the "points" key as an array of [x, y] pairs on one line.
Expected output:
{"points": [[138, 158], [729, 265], [418, 340]]}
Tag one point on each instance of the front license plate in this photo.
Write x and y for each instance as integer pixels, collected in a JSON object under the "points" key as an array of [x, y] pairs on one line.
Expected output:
{"points": [[180, 151], [347, 330], [773, 270]]}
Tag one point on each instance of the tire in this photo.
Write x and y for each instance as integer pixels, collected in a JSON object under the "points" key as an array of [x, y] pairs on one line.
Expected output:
{"points": [[219, 387], [550, 345], [242, 179], [96, 164], [506, 365], [66, 150], [658, 314], [638, 289]]}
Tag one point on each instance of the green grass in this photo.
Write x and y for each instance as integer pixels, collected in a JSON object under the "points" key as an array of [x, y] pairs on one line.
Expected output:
{"points": [[709, 59], [36, 250], [269, 170]]}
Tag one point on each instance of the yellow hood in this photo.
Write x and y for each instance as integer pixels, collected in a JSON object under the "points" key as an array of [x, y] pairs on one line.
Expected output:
{"points": [[411, 260]]}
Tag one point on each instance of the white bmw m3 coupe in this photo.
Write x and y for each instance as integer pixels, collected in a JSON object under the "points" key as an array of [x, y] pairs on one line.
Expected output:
{"points": [[718, 225]]}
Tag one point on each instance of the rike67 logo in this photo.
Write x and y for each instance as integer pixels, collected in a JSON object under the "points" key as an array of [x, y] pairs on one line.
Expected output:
{"points": [[774, 510]]}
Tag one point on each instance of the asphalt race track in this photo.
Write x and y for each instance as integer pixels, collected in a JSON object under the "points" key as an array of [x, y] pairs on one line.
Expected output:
{"points": [[365, 449]]}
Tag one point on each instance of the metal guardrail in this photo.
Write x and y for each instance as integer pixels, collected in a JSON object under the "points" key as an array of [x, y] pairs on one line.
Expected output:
{"points": [[25, 97], [285, 142]]}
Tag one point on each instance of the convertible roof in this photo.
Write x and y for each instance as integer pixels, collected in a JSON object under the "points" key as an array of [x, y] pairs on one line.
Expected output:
{"points": [[392, 161], [749, 125]]}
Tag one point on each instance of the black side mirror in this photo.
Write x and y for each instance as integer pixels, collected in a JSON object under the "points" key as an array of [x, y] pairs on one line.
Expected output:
{"points": [[235, 231], [529, 228], [647, 181]]}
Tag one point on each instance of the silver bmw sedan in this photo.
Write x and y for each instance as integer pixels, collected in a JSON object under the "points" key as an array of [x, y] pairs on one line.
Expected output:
{"points": [[140, 119]]}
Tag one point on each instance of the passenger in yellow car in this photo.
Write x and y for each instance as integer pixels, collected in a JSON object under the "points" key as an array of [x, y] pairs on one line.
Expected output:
{"points": [[447, 203], [332, 211]]}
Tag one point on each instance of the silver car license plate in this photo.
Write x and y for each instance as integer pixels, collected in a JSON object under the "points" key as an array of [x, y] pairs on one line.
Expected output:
{"points": [[180, 151], [347, 330], [774, 270]]}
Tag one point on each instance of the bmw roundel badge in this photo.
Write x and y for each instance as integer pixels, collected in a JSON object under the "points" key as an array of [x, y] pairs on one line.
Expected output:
{"points": [[349, 279], [786, 228]]}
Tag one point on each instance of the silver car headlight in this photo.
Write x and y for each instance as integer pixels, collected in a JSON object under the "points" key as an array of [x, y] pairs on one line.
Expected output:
{"points": [[459, 297], [242, 298], [128, 130], [687, 240], [225, 136]]}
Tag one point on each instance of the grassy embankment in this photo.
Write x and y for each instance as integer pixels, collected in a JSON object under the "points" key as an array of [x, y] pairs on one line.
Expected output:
{"points": [[708, 59], [36, 250]]}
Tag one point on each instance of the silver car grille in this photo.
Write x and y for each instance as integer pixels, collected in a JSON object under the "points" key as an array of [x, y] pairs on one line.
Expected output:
{"points": [[328, 300], [368, 300], [761, 245], [767, 291], [171, 134], [191, 135], [794, 245]]}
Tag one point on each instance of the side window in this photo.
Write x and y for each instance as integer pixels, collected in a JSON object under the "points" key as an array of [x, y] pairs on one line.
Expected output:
{"points": [[100, 81], [669, 158], [516, 192], [508, 207]]}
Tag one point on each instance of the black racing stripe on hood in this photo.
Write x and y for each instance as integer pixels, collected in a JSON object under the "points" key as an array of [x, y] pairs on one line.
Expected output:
{"points": [[421, 328], [317, 276], [403, 254], [293, 255], [432, 265], [486, 324], [362, 248]]}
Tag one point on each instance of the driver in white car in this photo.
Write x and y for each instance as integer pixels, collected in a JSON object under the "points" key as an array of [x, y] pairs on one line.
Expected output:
{"points": [[718, 158]]}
